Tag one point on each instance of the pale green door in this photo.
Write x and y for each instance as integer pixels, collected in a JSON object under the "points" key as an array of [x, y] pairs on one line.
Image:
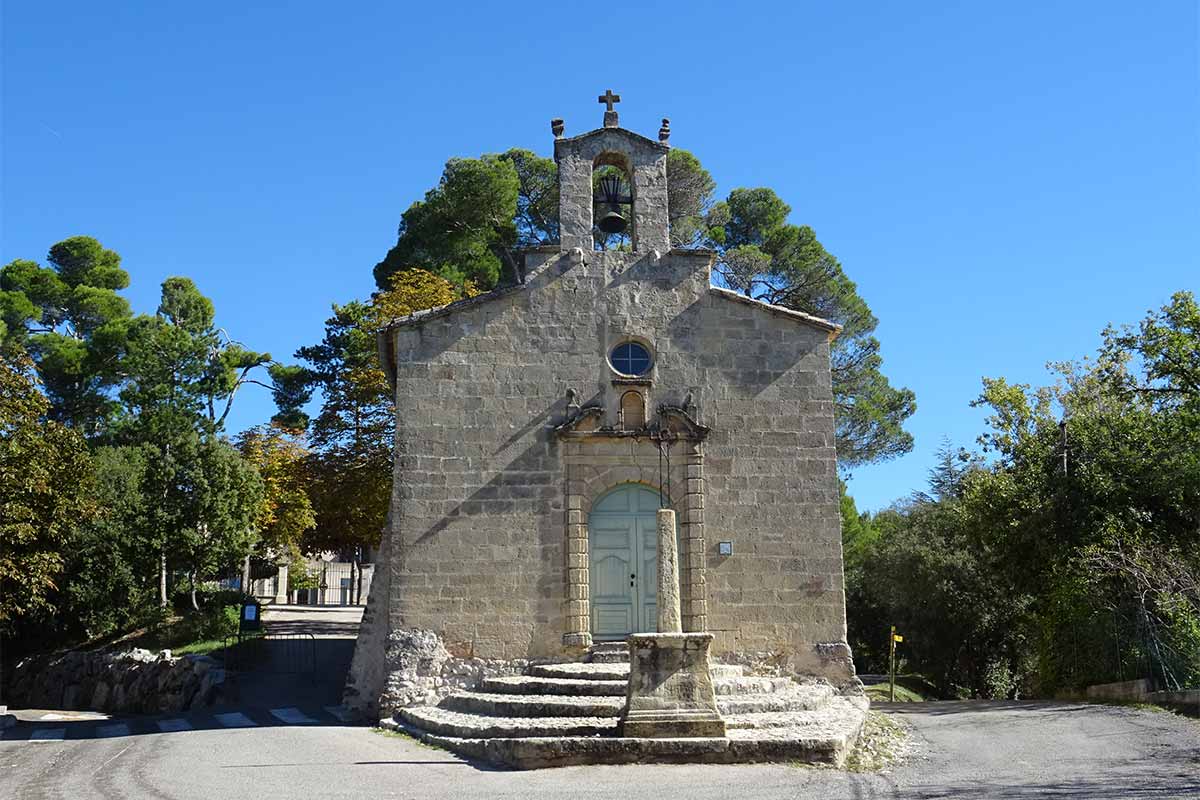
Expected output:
{"points": [[623, 557]]}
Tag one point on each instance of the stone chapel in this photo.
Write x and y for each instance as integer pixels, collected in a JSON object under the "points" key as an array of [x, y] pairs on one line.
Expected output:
{"points": [[540, 426]]}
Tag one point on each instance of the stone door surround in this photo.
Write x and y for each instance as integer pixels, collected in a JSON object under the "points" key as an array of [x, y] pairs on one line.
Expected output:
{"points": [[596, 466]]}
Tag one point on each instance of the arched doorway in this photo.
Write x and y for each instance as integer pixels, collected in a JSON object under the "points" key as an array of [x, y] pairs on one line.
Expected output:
{"points": [[623, 562]]}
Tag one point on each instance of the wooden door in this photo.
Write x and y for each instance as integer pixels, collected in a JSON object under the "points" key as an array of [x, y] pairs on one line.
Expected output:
{"points": [[623, 561]]}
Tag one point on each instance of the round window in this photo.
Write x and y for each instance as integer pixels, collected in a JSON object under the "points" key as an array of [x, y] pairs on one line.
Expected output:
{"points": [[631, 358]]}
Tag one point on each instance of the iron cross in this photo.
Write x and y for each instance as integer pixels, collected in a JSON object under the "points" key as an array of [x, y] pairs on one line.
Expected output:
{"points": [[608, 98]]}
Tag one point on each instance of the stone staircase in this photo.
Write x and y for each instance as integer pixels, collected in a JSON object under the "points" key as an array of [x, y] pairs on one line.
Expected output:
{"points": [[567, 713]]}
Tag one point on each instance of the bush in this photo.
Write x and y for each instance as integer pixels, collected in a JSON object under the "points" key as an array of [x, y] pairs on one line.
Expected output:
{"points": [[218, 621]]}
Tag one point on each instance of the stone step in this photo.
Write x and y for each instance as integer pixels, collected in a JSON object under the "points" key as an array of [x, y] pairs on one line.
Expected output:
{"points": [[772, 719], [741, 685], [608, 653], [795, 700], [532, 705], [616, 671], [805, 746], [529, 684], [445, 722], [574, 669]]}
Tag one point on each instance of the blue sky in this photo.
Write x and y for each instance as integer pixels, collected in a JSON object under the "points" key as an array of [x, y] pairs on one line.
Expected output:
{"points": [[1000, 181]]}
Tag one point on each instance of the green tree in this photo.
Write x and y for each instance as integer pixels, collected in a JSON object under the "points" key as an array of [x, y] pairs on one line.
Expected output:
{"points": [[1070, 557], [286, 512], [72, 321], [465, 228], [216, 503], [111, 565], [765, 257], [45, 493], [181, 376]]}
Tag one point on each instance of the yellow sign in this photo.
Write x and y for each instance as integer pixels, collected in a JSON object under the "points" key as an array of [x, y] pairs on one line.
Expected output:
{"points": [[897, 637]]}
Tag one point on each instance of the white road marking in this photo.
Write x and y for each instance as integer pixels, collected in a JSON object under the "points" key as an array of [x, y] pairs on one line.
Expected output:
{"points": [[120, 729], [51, 717], [235, 719], [174, 725], [291, 716], [48, 735], [341, 712]]}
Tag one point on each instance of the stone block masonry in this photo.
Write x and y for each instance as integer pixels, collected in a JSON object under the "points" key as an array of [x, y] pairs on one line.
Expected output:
{"points": [[488, 529], [512, 424]]}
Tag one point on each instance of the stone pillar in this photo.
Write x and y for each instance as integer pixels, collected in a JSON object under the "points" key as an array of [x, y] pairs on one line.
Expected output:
{"points": [[281, 584], [669, 616], [670, 692]]}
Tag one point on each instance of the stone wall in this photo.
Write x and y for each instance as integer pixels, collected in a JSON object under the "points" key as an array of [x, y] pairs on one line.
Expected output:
{"points": [[1135, 690], [478, 537], [136, 681]]}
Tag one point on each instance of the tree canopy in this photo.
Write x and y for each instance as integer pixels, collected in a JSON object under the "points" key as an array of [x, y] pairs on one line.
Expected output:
{"points": [[71, 319]]}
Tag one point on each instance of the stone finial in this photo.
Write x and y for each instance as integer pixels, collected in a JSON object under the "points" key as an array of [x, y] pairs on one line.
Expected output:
{"points": [[610, 116], [556, 126], [664, 133]]}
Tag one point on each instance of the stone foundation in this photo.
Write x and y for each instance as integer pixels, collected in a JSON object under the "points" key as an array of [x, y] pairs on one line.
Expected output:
{"points": [[421, 671]]}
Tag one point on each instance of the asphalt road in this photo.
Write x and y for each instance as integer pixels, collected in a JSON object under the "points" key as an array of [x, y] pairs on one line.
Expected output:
{"points": [[986, 750]]}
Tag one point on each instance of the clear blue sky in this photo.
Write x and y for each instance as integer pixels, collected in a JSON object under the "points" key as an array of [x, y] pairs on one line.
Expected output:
{"points": [[1001, 182]]}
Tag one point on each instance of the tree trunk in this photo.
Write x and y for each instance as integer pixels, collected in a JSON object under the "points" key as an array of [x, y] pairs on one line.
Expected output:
{"points": [[192, 579], [162, 577], [246, 587]]}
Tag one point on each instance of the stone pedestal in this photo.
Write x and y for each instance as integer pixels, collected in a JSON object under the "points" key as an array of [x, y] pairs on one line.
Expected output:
{"points": [[670, 691]]}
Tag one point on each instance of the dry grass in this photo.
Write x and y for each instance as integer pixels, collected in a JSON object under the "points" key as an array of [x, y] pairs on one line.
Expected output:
{"points": [[883, 743]]}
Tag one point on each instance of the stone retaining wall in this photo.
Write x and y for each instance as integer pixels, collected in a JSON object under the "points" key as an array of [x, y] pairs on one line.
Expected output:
{"points": [[1121, 690], [135, 681], [1187, 701]]}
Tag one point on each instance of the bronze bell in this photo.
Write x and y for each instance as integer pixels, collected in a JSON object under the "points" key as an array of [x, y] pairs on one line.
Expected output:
{"points": [[613, 222], [612, 194]]}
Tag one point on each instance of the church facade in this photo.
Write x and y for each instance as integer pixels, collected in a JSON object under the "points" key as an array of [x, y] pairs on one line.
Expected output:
{"points": [[540, 426]]}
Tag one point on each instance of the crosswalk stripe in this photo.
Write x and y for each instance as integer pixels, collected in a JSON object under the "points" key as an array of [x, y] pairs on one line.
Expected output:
{"points": [[235, 719], [120, 729], [174, 725], [292, 716], [48, 735], [340, 712]]}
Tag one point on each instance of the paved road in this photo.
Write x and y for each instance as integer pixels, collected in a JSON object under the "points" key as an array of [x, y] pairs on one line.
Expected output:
{"points": [[985, 750]]}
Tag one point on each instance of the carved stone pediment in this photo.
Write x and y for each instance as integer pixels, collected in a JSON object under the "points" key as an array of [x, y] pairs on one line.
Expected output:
{"points": [[671, 422]]}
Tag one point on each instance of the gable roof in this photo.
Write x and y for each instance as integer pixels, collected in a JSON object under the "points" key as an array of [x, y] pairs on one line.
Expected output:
{"points": [[830, 328]]}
